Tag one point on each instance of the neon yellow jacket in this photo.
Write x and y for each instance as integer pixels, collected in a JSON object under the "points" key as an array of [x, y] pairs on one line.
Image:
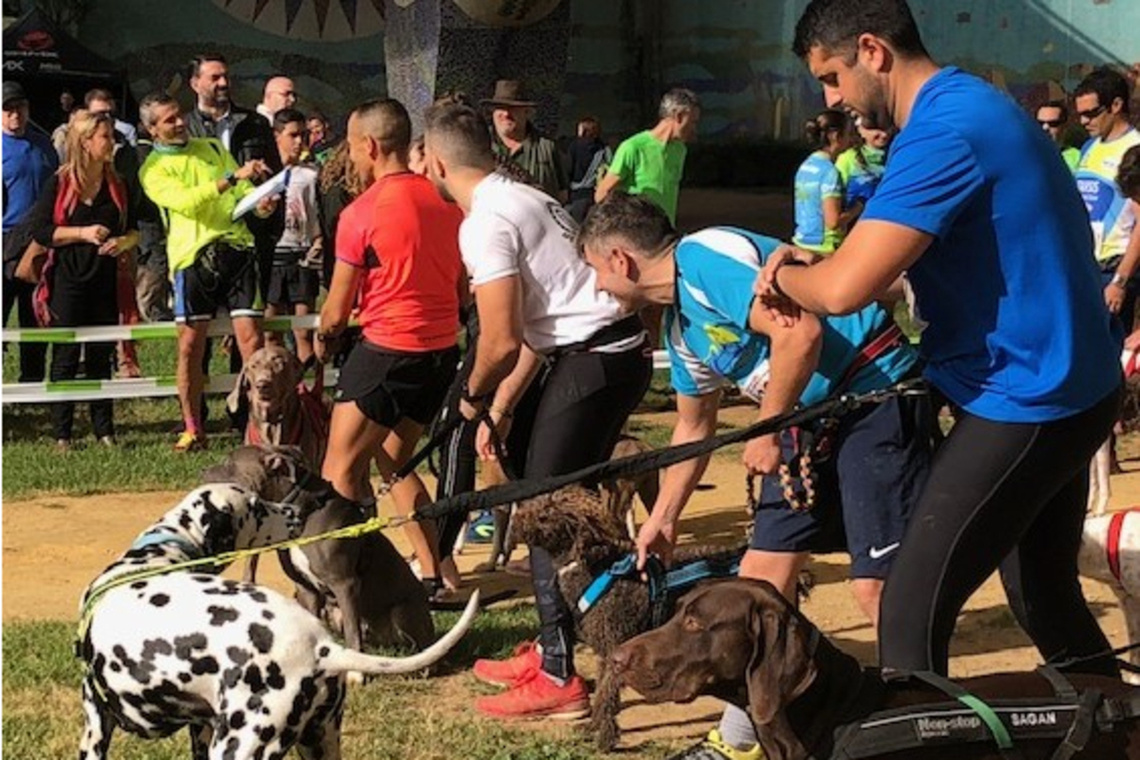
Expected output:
{"points": [[183, 183]]}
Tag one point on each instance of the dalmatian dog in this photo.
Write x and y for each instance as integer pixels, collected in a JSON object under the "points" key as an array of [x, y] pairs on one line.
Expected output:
{"points": [[1110, 552], [248, 671]]}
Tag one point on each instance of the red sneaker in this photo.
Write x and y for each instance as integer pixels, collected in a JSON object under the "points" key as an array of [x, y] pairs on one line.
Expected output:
{"points": [[539, 697], [525, 661]]}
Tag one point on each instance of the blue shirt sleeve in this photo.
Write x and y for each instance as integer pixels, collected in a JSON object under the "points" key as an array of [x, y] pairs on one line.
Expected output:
{"points": [[931, 176], [830, 183]]}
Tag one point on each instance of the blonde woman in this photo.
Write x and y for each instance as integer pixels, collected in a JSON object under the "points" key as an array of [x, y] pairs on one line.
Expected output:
{"points": [[85, 217]]}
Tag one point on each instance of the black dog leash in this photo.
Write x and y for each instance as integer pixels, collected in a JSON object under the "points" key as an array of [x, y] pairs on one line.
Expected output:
{"points": [[656, 459]]}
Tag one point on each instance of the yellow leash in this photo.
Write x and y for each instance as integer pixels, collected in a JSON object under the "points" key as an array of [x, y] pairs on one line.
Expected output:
{"points": [[372, 525]]}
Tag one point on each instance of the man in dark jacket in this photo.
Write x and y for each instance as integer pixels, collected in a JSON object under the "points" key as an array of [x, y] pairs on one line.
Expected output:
{"points": [[247, 136]]}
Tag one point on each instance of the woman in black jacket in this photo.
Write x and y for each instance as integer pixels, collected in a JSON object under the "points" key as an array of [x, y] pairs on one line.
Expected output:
{"points": [[86, 217]]}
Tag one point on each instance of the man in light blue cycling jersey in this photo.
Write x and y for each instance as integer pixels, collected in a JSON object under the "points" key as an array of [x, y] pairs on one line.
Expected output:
{"points": [[867, 475]]}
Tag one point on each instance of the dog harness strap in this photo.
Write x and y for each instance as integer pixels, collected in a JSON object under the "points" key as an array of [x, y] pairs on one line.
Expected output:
{"points": [[621, 568], [1082, 727], [887, 339], [1062, 686], [997, 729], [1113, 710], [685, 576], [1115, 527]]}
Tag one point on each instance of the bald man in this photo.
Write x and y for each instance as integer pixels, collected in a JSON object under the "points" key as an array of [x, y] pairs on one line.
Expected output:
{"points": [[397, 245], [278, 96]]}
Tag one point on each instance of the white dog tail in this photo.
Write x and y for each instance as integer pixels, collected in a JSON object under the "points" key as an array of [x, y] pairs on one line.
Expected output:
{"points": [[343, 660]]}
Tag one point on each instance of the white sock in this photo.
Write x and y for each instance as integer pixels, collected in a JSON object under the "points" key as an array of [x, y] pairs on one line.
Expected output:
{"points": [[736, 728]]}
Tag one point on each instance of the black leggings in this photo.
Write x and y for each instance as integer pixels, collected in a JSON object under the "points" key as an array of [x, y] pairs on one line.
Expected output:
{"points": [[1008, 495], [570, 418], [79, 305]]}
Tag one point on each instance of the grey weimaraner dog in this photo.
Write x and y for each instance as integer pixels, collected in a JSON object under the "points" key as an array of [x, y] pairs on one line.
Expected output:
{"points": [[359, 586], [741, 641]]}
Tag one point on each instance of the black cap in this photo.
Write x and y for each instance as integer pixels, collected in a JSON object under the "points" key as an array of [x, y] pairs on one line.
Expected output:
{"points": [[13, 91]]}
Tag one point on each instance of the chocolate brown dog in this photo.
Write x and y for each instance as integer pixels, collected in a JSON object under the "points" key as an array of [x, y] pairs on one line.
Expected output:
{"points": [[741, 641]]}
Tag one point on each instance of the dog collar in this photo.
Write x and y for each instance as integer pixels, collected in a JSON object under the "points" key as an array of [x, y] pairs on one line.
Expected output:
{"points": [[166, 536]]}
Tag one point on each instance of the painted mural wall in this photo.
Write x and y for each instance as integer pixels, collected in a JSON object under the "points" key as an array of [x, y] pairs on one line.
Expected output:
{"points": [[622, 53], [736, 54], [333, 51]]}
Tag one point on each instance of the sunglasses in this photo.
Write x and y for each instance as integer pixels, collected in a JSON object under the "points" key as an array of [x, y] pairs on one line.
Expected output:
{"points": [[1092, 113], [1051, 122]]}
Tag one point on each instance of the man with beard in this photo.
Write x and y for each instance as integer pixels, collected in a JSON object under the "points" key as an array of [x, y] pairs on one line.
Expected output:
{"points": [[197, 184], [249, 137], [517, 141], [1101, 101], [558, 368], [1018, 337]]}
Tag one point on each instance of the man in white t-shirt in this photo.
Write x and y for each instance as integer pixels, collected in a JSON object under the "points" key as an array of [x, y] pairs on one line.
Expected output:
{"points": [[563, 358], [295, 280]]}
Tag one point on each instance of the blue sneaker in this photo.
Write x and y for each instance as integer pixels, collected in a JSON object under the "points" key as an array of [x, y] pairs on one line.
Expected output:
{"points": [[482, 528]]}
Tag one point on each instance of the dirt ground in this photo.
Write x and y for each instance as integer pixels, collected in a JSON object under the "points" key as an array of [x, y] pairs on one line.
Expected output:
{"points": [[52, 547]]}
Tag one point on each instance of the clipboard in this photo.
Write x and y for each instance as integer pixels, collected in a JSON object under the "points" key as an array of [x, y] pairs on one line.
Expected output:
{"points": [[275, 185]]}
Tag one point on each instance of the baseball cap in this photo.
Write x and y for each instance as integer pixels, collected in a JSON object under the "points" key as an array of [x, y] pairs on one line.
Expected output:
{"points": [[13, 91]]}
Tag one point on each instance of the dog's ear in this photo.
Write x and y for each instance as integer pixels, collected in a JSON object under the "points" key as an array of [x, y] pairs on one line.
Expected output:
{"points": [[782, 665], [219, 533], [241, 388], [281, 461]]}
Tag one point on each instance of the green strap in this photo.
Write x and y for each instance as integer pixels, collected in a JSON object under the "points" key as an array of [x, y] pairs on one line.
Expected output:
{"points": [[979, 708], [990, 718]]}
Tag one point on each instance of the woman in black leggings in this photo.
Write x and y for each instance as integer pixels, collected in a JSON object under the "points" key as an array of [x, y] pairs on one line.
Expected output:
{"points": [[86, 216]]}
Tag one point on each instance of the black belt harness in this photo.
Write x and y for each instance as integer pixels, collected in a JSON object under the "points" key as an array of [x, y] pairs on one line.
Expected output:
{"points": [[1069, 716]]}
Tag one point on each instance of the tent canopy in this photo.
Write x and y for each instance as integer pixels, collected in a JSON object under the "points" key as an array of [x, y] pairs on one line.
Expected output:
{"points": [[46, 59]]}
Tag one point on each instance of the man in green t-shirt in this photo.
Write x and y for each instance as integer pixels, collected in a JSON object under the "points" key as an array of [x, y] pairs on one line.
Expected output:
{"points": [[651, 162]]}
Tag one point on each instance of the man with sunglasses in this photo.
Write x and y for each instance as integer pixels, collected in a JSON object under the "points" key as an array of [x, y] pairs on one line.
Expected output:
{"points": [[1054, 118], [1101, 101]]}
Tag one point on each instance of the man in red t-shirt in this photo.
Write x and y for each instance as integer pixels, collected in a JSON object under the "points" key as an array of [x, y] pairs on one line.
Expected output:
{"points": [[397, 249]]}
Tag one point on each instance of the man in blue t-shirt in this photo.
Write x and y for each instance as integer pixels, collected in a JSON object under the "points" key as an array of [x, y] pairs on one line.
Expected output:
{"points": [[717, 332], [1018, 335], [29, 159]]}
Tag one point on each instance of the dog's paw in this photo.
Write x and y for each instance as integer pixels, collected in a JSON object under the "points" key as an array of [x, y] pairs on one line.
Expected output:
{"points": [[355, 677]]}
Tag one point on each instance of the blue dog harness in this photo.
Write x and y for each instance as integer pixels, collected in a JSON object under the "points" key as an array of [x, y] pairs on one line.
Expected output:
{"points": [[665, 585]]}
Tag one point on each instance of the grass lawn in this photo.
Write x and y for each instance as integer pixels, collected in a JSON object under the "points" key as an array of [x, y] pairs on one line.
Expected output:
{"points": [[143, 460], [401, 717]]}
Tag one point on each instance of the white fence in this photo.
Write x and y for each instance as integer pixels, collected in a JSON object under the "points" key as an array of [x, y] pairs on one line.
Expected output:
{"points": [[143, 387]]}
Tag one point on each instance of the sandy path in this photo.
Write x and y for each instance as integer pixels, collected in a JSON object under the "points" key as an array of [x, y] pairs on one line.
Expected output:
{"points": [[53, 546]]}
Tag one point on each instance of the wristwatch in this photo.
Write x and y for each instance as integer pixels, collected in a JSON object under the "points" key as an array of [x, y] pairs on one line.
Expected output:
{"points": [[1118, 280], [230, 178]]}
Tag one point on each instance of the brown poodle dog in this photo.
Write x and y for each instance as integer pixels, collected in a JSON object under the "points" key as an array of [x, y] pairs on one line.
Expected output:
{"points": [[585, 537]]}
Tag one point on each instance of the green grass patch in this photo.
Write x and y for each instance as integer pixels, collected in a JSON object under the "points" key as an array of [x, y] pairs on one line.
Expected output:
{"points": [[402, 717]]}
